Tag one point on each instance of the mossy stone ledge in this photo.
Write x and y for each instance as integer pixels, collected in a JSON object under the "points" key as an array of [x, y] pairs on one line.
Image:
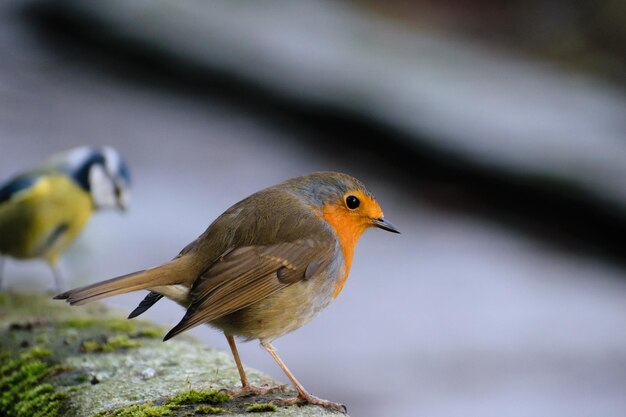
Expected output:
{"points": [[57, 360]]}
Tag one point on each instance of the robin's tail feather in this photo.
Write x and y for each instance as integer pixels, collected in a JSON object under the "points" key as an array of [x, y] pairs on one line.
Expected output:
{"points": [[145, 304], [170, 273]]}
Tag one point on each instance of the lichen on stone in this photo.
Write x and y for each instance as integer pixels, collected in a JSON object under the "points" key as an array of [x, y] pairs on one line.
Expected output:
{"points": [[138, 410]]}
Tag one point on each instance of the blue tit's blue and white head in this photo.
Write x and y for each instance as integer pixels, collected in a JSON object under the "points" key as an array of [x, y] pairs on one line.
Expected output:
{"points": [[100, 171]]}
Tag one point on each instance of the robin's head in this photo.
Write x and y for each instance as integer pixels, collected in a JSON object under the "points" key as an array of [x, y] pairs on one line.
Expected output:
{"points": [[343, 201]]}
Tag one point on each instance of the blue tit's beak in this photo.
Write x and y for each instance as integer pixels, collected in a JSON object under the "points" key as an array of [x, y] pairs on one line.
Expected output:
{"points": [[381, 223], [122, 199]]}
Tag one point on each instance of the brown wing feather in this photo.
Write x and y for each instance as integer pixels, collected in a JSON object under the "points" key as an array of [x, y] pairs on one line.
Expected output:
{"points": [[246, 275]]}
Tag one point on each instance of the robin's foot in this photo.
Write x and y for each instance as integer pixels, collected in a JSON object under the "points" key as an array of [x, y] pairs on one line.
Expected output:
{"points": [[252, 390], [310, 399]]}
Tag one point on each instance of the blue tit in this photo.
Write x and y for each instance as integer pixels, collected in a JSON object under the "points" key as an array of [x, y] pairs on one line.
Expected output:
{"points": [[42, 211]]}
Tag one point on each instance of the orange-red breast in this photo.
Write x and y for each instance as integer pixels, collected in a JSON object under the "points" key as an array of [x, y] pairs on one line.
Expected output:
{"points": [[265, 267]]}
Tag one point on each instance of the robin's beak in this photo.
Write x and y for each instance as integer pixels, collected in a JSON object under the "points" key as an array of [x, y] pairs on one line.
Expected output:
{"points": [[385, 225]]}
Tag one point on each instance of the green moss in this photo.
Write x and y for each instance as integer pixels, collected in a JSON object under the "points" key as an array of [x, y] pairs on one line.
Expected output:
{"points": [[41, 401], [135, 328], [181, 400], [110, 344], [42, 338], [22, 391], [80, 323], [120, 325], [117, 325], [207, 409], [193, 396], [150, 332], [37, 352], [10, 363], [138, 410], [185, 398], [261, 408]]}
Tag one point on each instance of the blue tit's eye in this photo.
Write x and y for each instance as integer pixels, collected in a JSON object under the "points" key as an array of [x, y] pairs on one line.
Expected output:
{"points": [[352, 202]]}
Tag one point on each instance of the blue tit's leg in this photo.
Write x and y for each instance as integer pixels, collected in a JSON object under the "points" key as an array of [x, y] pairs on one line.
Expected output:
{"points": [[1, 270], [58, 279]]}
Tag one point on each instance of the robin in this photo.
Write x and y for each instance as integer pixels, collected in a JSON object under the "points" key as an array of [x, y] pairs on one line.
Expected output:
{"points": [[43, 210], [264, 268]]}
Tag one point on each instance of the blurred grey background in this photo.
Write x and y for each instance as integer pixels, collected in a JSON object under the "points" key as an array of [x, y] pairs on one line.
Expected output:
{"points": [[492, 133]]}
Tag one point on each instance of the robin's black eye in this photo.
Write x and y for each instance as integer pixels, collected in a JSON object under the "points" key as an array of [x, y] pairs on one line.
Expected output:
{"points": [[352, 202]]}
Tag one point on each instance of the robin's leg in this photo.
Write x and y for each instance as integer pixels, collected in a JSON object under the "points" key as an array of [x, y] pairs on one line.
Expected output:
{"points": [[242, 373], [303, 395], [246, 388]]}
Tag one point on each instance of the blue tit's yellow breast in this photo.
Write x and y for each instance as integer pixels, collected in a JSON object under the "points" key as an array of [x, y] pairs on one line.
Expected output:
{"points": [[42, 220]]}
